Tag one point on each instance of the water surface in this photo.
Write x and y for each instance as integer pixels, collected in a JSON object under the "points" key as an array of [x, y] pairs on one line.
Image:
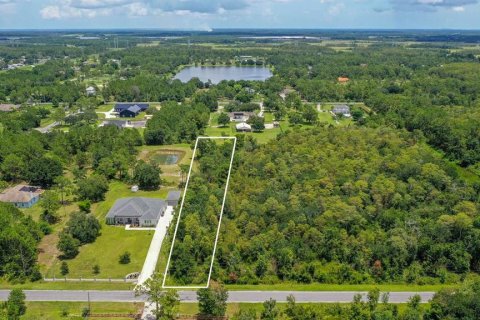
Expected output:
{"points": [[217, 74]]}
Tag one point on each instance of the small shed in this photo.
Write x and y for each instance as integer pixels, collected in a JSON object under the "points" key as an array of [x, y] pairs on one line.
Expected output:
{"points": [[173, 198], [91, 91]]}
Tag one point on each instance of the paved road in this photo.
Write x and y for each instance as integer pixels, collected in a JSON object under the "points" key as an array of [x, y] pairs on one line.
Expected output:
{"points": [[190, 296], [48, 128]]}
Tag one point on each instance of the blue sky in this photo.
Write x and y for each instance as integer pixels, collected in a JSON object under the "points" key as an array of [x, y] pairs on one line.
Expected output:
{"points": [[206, 14]]}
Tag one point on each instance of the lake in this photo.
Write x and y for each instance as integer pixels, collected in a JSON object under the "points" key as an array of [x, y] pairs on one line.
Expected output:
{"points": [[217, 74]]}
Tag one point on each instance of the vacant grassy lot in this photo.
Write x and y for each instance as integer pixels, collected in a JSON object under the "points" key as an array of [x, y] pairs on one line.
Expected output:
{"points": [[113, 241], [73, 310]]}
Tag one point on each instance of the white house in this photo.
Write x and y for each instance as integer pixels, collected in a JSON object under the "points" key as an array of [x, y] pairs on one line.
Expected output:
{"points": [[91, 91]]}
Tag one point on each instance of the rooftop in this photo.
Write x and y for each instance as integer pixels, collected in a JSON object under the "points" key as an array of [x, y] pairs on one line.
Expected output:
{"points": [[174, 195], [145, 208], [20, 193]]}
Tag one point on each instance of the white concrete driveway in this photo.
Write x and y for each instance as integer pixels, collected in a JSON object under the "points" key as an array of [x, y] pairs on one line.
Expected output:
{"points": [[155, 246]]}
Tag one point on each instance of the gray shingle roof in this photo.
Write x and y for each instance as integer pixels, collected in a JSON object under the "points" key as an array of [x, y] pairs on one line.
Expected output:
{"points": [[144, 208], [344, 109], [174, 195], [134, 109]]}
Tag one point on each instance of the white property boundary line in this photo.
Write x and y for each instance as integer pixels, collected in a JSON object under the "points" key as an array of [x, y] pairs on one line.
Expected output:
{"points": [[219, 220]]}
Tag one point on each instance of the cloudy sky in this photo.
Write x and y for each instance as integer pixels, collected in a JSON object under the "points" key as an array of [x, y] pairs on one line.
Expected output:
{"points": [[206, 14]]}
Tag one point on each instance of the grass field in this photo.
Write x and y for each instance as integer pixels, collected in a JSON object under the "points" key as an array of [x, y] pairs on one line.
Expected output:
{"points": [[112, 242], [41, 285], [105, 107], [73, 310]]}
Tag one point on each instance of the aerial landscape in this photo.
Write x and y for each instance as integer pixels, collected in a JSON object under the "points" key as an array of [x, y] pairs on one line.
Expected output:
{"points": [[243, 160]]}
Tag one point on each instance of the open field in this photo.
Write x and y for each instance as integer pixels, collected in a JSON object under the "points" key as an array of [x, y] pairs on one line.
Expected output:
{"points": [[73, 310]]}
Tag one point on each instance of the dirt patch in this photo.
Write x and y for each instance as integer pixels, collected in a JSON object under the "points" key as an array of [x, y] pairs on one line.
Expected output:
{"points": [[48, 251]]}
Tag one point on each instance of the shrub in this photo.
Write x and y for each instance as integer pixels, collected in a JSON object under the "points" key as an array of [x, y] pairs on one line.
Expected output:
{"points": [[124, 258]]}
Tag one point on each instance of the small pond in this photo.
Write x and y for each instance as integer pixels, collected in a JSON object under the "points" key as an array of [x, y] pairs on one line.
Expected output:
{"points": [[166, 158], [217, 74]]}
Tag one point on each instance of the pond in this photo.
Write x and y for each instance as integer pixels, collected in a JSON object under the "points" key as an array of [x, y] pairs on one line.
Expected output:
{"points": [[166, 158], [217, 74]]}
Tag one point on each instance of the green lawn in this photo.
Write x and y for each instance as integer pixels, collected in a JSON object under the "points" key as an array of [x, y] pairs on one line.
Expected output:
{"points": [[105, 107], [73, 310], [268, 117], [45, 122], [112, 242], [41, 285], [262, 137]]}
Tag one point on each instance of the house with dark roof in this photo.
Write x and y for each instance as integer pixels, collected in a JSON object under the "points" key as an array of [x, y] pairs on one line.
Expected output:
{"points": [[143, 212], [240, 116], [130, 110], [21, 196]]}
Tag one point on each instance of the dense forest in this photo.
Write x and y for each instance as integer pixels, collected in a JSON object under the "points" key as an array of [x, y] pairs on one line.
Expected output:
{"points": [[195, 238], [175, 123], [347, 206], [19, 236]]}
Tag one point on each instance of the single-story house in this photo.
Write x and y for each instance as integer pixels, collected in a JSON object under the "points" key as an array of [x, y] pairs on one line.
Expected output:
{"points": [[240, 116], [341, 109], [173, 198], [243, 127], [21, 196], [130, 110], [138, 211], [91, 91]]}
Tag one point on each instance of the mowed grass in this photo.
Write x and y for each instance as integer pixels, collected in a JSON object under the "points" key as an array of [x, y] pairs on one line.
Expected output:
{"points": [[42, 285], [105, 107], [230, 131], [73, 310], [113, 241]]}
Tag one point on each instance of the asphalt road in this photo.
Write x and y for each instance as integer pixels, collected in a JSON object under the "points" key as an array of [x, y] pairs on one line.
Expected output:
{"points": [[190, 296]]}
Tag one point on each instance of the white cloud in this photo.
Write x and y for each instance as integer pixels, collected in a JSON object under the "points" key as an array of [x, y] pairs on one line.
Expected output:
{"points": [[336, 9], [93, 8], [431, 5]]}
